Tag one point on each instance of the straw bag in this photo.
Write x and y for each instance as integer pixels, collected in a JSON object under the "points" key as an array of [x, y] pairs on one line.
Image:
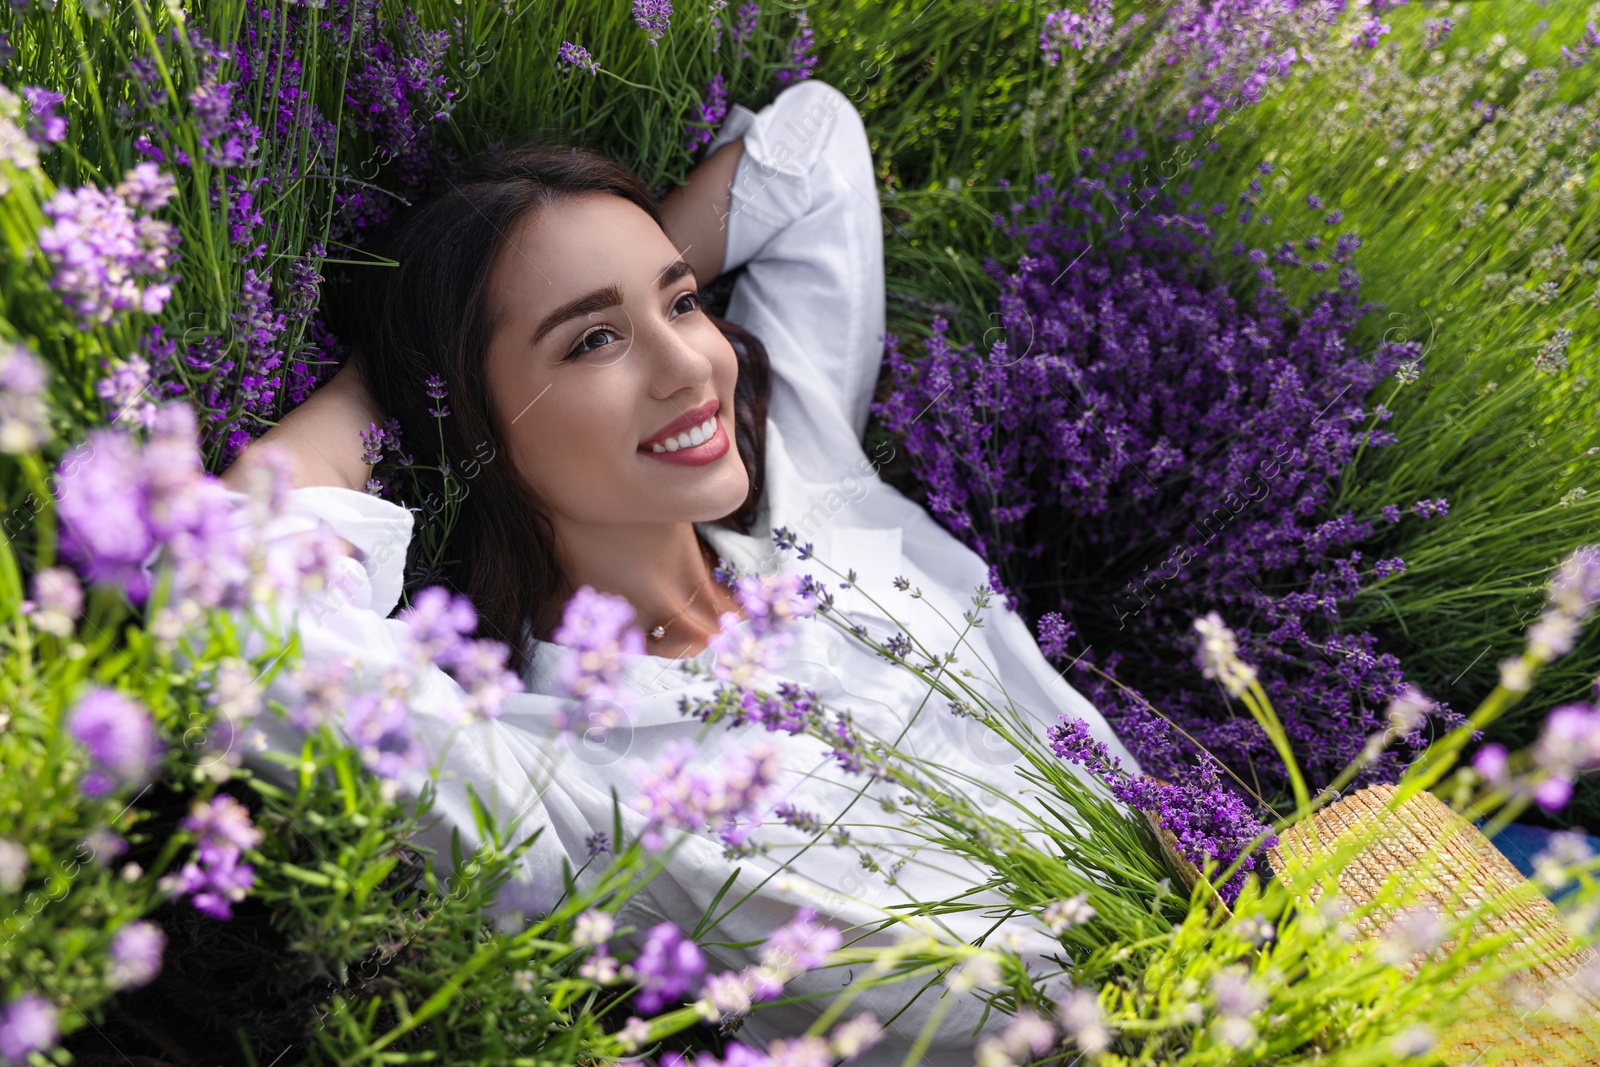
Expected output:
{"points": [[1458, 869]]}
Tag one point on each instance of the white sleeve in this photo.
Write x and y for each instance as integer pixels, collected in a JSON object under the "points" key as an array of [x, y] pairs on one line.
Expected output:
{"points": [[348, 621], [805, 223]]}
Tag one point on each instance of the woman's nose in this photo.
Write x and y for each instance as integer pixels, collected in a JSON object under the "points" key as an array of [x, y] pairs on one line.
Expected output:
{"points": [[674, 360]]}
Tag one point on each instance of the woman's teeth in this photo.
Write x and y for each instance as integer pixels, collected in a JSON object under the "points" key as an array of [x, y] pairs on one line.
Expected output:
{"points": [[699, 435]]}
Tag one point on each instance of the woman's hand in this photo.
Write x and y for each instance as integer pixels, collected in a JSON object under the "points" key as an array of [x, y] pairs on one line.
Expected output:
{"points": [[695, 214], [321, 437]]}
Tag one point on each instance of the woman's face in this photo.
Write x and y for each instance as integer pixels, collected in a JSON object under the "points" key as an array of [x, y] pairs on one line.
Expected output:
{"points": [[601, 351]]}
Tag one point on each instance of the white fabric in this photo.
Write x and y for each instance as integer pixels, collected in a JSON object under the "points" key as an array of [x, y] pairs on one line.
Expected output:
{"points": [[804, 221]]}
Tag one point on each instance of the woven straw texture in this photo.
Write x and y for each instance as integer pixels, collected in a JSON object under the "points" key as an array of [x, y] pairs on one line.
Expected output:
{"points": [[1456, 869]]}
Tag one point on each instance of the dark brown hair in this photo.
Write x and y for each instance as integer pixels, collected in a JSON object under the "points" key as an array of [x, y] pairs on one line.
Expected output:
{"points": [[431, 315]]}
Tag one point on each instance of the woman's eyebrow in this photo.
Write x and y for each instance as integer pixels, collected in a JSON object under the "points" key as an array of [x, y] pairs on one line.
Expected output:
{"points": [[605, 297]]}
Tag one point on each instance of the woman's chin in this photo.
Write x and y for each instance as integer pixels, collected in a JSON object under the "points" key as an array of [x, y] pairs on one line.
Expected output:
{"points": [[723, 498]]}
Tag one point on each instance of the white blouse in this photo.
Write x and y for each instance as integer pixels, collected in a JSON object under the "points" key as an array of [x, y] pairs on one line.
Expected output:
{"points": [[804, 220]]}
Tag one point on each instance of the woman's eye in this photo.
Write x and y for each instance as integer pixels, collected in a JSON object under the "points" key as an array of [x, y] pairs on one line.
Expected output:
{"points": [[584, 346], [607, 332]]}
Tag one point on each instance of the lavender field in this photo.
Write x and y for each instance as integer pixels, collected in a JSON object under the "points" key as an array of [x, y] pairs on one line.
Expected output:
{"points": [[1251, 344]]}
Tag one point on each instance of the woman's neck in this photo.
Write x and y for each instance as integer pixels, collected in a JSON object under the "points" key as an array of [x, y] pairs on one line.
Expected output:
{"points": [[658, 569]]}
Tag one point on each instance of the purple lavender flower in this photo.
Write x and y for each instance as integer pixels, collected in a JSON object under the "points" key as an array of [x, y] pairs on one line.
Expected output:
{"points": [[576, 57], [146, 187], [598, 629], [1081, 1016], [712, 112], [1490, 762], [379, 727], [436, 391], [771, 602], [258, 325], [135, 955], [104, 259], [45, 126], [104, 845], [1578, 55], [102, 507], [1553, 793], [223, 822], [121, 740], [218, 882], [744, 26], [396, 91], [1224, 54], [1369, 33], [1552, 355], [122, 503], [794, 948], [674, 797], [1574, 589], [1054, 633], [24, 412], [305, 282], [480, 667], [1435, 31], [1210, 823], [801, 62], [401, 92], [216, 879], [437, 620], [373, 439], [739, 655], [28, 1024], [125, 391], [666, 968], [653, 17], [714, 10], [227, 138], [1081, 32], [1060, 27], [1568, 745]]}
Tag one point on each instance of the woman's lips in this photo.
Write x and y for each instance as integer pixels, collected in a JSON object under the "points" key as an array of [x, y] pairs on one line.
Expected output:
{"points": [[685, 422], [712, 448]]}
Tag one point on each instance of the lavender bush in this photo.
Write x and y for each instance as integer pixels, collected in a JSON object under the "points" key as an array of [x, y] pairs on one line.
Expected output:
{"points": [[1142, 446]]}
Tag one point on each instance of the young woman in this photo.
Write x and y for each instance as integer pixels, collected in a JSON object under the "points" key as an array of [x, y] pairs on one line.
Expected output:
{"points": [[558, 302]]}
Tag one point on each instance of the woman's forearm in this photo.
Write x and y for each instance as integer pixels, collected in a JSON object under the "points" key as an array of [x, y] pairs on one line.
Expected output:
{"points": [[695, 214], [322, 437]]}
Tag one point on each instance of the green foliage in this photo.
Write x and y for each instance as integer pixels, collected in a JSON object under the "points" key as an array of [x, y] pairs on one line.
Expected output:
{"points": [[1479, 242]]}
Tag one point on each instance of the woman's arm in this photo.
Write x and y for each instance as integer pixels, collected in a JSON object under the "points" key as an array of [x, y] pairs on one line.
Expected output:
{"points": [[804, 220], [322, 437], [695, 214]]}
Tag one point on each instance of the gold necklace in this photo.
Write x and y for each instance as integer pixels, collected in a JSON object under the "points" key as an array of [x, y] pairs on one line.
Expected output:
{"points": [[660, 631]]}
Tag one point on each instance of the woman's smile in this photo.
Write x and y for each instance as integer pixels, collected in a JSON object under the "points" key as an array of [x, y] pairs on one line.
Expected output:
{"points": [[685, 451], [694, 438]]}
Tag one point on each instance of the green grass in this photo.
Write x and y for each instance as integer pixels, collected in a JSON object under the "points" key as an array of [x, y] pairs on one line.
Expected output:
{"points": [[1512, 448]]}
